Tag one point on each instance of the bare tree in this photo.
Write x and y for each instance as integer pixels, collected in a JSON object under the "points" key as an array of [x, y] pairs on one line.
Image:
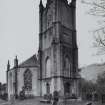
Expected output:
{"points": [[101, 83], [97, 8]]}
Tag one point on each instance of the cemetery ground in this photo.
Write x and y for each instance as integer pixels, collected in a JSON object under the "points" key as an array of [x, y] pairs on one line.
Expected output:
{"points": [[37, 102]]}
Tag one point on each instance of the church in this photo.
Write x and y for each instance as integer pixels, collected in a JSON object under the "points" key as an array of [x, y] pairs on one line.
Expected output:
{"points": [[55, 68]]}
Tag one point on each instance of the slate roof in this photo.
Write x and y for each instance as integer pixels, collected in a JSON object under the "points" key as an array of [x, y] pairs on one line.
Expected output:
{"points": [[31, 62]]}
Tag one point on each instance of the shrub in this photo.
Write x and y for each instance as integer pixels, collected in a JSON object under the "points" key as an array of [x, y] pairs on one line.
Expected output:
{"points": [[4, 96], [22, 95]]}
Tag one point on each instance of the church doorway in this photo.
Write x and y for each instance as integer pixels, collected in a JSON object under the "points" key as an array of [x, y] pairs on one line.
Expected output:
{"points": [[67, 89], [47, 88]]}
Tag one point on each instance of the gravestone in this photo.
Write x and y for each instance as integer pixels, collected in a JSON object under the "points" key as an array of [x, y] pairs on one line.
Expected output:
{"points": [[12, 99], [55, 98], [103, 98], [95, 97]]}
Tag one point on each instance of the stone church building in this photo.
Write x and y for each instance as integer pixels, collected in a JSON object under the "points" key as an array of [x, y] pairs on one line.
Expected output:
{"points": [[56, 66]]}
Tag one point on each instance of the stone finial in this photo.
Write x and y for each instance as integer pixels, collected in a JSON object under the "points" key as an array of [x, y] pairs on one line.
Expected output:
{"points": [[49, 2], [16, 62], [41, 3], [73, 3], [41, 7], [8, 66]]}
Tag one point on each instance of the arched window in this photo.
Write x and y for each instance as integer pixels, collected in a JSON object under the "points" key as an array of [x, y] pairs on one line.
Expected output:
{"points": [[10, 81], [48, 67], [10, 74], [67, 89], [67, 63], [66, 66], [28, 80], [47, 88]]}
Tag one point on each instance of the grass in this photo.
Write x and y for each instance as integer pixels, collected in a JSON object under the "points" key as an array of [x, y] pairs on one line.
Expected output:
{"points": [[37, 102]]}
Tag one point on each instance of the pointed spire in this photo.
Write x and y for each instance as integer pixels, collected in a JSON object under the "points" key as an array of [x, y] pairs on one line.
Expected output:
{"points": [[8, 66], [41, 6], [73, 3], [35, 57], [8, 62], [49, 1], [16, 62], [16, 56], [41, 3]]}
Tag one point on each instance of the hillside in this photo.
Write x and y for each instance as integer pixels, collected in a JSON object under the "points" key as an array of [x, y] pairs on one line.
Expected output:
{"points": [[90, 72]]}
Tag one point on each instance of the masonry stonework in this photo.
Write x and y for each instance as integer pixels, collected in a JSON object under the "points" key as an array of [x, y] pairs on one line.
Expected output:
{"points": [[56, 66]]}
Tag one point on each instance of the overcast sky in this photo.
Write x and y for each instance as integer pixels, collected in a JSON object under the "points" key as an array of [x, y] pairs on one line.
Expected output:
{"points": [[19, 29]]}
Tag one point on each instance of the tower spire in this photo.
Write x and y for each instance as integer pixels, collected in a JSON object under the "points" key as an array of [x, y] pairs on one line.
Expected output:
{"points": [[48, 2], [16, 62], [8, 66], [41, 2], [73, 3], [41, 6]]}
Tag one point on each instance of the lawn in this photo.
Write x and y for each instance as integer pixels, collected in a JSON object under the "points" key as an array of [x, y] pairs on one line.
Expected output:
{"points": [[37, 102]]}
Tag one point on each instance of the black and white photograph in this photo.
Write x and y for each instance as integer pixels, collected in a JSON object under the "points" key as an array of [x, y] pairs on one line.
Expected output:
{"points": [[52, 52]]}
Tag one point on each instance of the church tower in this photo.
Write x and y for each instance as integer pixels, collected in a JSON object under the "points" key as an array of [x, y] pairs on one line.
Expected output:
{"points": [[58, 51]]}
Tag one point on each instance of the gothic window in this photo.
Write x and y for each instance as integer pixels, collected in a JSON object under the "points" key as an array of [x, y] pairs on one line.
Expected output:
{"points": [[48, 88], [10, 80], [70, 69], [28, 80], [10, 74], [66, 67], [49, 19], [66, 88], [48, 67], [66, 63]]}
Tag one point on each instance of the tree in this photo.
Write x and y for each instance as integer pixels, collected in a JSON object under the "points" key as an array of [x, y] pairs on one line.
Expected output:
{"points": [[97, 8], [101, 83], [87, 88], [0, 88]]}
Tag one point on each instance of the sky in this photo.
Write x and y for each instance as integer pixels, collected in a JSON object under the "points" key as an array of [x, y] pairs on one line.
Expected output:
{"points": [[19, 29]]}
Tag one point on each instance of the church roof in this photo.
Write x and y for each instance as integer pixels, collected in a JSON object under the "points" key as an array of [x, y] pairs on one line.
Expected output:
{"points": [[31, 62]]}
